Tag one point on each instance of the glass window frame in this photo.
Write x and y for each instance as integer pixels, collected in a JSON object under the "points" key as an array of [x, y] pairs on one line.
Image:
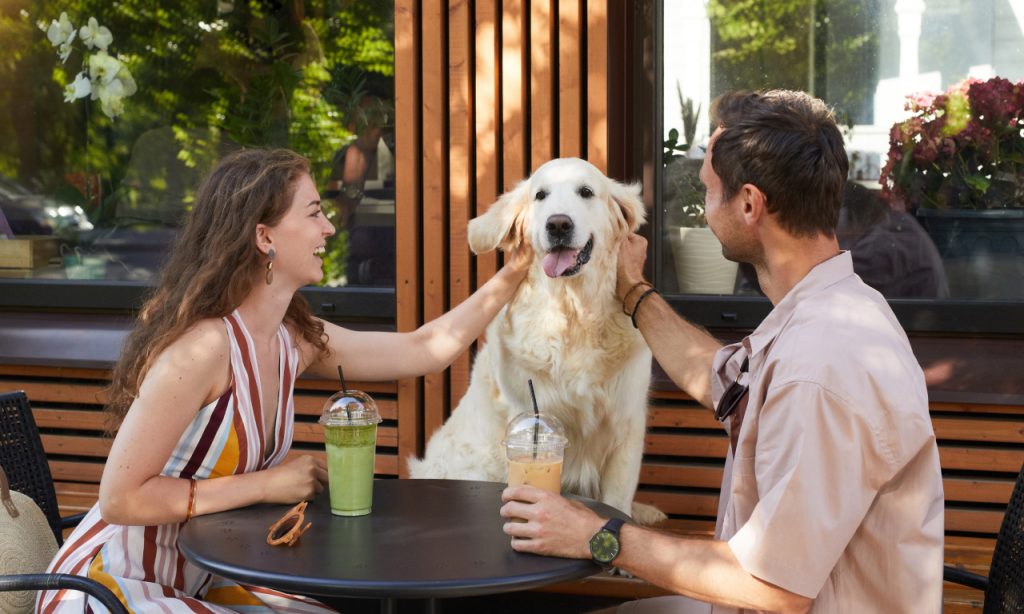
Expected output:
{"points": [[369, 304], [924, 316]]}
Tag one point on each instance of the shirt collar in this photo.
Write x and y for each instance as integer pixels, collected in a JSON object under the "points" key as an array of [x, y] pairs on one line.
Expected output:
{"points": [[822, 276]]}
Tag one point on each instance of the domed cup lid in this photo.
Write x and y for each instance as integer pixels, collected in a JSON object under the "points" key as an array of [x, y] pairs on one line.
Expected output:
{"points": [[350, 408], [539, 431]]}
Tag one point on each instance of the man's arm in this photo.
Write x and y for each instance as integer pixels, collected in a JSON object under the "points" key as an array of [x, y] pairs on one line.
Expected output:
{"points": [[702, 569], [684, 350]]}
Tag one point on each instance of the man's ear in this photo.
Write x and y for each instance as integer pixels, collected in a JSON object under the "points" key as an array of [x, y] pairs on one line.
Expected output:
{"points": [[503, 223], [754, 203], [627, 199]]}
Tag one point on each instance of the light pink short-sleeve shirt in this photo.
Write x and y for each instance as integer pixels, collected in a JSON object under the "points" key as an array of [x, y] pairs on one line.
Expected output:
{"points": [[835, 491]]}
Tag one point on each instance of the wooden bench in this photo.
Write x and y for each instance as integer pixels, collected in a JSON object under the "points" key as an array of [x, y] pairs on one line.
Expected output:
{"points": [[981, 447]]}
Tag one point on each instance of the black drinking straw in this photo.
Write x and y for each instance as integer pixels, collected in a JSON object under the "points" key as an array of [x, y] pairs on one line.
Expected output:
{"points": [[536, 412], [341, 376]]}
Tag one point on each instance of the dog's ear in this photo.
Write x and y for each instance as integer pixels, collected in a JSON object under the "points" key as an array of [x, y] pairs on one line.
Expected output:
{"points": [[627, 197], [502, 224]]}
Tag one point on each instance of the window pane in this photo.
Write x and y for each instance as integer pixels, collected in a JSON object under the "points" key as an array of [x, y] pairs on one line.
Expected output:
{"points": [[101, 153], [948, 221]]}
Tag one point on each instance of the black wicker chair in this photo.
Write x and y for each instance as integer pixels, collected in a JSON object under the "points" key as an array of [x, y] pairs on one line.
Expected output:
{"points": [[23, 459], [1004, 586]]}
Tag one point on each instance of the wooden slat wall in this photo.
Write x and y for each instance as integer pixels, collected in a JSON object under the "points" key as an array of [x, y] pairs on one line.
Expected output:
{"points": [[496, 87], [408, 216]]}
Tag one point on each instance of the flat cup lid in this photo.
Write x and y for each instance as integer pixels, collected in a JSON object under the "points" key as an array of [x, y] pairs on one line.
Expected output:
{"points": [[350, 408], [528, 431]]}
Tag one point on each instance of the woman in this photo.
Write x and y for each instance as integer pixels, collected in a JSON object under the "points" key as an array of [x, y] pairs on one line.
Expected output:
{"points": [[204, 386]]}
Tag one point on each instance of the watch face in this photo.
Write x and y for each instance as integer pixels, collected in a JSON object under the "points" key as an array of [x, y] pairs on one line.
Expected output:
{"points": [[604, 546]]}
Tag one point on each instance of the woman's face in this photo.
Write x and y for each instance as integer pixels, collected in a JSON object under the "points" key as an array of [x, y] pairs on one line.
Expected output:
{"points": [[299, 239]]}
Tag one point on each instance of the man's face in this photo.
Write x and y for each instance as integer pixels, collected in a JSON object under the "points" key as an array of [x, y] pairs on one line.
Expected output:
{"points": [[725, 217]]}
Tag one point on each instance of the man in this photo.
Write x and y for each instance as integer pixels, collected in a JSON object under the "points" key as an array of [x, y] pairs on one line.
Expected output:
{"points": [[832, 494]]}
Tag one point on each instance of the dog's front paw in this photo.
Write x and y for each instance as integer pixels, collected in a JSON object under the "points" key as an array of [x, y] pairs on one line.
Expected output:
{"points": [[646, 515]]}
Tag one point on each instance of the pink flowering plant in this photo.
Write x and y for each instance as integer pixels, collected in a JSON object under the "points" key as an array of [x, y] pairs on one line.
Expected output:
{"points": [[962, 149]]}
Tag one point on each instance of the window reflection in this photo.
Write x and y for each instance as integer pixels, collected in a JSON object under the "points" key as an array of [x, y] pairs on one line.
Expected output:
{"points": [[100, 189], [865, 59]]}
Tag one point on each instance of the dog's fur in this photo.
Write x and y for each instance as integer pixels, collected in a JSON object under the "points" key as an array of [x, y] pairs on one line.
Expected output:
{"points": [[565, 330]]}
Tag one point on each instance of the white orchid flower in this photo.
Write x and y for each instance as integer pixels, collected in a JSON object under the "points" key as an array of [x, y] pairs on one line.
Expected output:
{"points": [[80, 88], [127, 81], [95, 35], [61, 31], [111, 97], [103, 68], [64, 51]]}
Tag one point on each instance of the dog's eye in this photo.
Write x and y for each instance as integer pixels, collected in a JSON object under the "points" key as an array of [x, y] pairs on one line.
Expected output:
{"points": [[541, 195], [585, 192]]}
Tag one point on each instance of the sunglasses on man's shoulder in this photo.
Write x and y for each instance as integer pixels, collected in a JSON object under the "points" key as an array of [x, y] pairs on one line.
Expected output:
{"points": [[732, 396]]}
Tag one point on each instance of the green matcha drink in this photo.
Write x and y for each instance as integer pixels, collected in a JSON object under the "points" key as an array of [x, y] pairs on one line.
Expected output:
{"points": [[350, 453], [350, 421]]}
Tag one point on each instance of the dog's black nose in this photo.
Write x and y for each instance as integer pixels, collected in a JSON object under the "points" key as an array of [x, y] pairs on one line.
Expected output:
{"points": [[559, 227]]}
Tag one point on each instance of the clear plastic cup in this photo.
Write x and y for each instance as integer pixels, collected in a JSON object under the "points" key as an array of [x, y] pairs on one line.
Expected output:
{"points": [[535, 448], [350, 419]]}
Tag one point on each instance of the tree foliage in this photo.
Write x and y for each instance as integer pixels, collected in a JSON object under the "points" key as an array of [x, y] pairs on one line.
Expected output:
{"points": [[826, 47], [212, 75]]}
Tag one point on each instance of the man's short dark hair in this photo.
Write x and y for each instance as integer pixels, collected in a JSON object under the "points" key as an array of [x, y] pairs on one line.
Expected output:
{"points": [[788, 145]]}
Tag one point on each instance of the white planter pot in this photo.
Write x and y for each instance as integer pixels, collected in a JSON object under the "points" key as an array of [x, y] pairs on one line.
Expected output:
{"points": [[700, 266]]}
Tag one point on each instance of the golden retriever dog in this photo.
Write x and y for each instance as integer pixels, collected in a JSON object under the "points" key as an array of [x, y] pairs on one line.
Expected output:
{"points": [[565, 330]]}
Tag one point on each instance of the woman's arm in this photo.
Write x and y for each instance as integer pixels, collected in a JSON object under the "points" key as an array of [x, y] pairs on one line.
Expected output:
{"points": [[189, 374], [371, 355]]}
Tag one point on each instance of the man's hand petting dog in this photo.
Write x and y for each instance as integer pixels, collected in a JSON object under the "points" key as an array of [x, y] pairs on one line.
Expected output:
{"points": [[555, 526]]}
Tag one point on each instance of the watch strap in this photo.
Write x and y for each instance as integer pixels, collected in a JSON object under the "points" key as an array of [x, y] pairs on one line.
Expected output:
{"points": [[614, 525]]}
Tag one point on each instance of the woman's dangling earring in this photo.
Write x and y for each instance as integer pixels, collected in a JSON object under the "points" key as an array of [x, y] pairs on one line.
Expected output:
{"points": [[270, 266]]}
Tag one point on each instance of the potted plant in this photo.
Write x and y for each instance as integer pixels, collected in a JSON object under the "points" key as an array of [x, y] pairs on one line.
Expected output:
{"points": [[697, 253], [957, 164]]}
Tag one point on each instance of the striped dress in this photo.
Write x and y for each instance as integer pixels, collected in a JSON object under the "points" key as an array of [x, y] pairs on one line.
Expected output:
{"points": [[142, 564]]}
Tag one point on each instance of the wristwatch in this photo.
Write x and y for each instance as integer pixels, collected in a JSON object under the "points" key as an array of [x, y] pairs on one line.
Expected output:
{"points": [[604, 545]]}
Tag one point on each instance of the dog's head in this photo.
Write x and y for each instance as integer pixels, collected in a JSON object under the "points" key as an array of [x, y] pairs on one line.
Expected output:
{"points": [[568, 207]]}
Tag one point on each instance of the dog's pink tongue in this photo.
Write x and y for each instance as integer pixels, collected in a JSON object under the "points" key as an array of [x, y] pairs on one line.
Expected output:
{"points": [[557, 261]]}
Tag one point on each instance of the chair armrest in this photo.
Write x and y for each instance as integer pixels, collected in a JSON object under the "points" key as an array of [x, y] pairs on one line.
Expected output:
{"points": [[71, 521], [54, 581], [965, 578]]}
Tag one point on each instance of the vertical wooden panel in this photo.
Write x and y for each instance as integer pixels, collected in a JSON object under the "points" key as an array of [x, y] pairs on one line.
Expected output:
{"points": [[542, 109], [570, 67], [487, 90], [435, 192], [513, 93], [597, 83], [407, 216], [460, 159]]}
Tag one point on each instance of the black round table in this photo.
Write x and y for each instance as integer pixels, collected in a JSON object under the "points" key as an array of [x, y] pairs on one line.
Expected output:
{"points": [[425, 539]]}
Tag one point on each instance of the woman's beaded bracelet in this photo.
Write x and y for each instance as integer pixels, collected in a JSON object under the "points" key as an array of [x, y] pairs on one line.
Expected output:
{"points": [[191, 500]]}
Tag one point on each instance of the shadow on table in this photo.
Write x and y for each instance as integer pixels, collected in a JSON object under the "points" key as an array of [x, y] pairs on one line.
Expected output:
{"points": [[505, 603]]}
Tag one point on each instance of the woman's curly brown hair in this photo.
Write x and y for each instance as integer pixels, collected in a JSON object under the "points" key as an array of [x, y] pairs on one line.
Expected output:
{"points": [[214, 263]]}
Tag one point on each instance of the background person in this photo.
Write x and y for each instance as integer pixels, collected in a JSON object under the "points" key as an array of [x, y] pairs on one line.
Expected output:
{"points": [[205, 381], [832, 494], [362, 177]]}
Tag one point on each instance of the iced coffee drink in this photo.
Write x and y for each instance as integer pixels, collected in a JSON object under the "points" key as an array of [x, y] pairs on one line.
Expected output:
{"points": [[535, 446]]}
